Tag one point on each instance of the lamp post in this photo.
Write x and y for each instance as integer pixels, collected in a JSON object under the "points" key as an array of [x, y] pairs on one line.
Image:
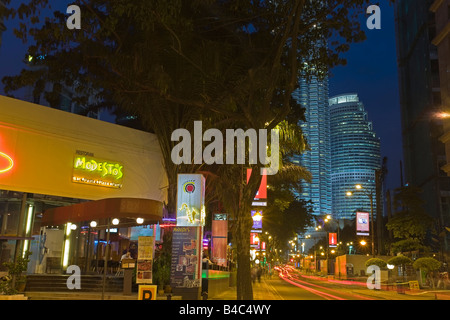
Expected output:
{"points": [[370, 195]]}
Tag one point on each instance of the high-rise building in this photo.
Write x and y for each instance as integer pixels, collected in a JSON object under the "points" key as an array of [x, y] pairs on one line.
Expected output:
{"points": [[313, 96], [441, 9], [355, 156], [423, 55]]}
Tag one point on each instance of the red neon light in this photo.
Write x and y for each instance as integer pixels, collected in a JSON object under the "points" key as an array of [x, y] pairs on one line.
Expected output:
{"points": [[10, 164]]}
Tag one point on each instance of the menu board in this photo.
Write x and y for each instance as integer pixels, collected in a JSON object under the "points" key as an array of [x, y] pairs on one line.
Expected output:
{"points": [[186, 271], [144, 273]]}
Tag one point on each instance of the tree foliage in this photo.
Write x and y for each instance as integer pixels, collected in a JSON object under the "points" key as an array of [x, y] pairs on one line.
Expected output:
{"points": [[410, 223], [377, 262]]}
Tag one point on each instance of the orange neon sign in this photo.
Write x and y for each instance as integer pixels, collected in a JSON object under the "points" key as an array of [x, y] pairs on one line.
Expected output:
{"points": [[10, 163]]}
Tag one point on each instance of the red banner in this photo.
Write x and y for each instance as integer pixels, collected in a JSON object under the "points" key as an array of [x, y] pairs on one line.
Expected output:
{"points": [[332, 239], [262, 191]]}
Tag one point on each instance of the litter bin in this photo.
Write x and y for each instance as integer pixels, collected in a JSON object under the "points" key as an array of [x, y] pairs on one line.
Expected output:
{"points": [[400, 287]]}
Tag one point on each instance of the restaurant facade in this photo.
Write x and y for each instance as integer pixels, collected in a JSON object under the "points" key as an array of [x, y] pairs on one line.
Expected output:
{"points": [[69, 184]]}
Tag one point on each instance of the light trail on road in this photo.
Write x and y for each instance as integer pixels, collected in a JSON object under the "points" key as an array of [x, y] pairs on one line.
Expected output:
{"points": [[319, 290]]}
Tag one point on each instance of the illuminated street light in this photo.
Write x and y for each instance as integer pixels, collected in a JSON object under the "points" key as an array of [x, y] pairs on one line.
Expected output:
{"points": [[93, 224], [443, 115], [115, 221], [363, 243]]}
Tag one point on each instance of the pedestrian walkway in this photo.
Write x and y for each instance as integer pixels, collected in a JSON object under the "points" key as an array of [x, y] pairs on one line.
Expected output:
{"points": [[263, 290]]}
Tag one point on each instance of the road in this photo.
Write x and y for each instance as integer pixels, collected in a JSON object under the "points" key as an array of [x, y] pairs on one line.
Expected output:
{"points": [[291, 285]]}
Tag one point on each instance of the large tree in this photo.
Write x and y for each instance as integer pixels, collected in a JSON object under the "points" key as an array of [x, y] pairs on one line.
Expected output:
{"points": [[230, 63], [410, 222]]}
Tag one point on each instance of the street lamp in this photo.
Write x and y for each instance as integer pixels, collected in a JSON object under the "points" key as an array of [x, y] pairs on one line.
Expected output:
{"points": [[358, 187]]}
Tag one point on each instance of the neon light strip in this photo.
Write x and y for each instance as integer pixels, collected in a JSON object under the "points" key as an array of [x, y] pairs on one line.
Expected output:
{"points": [[11, 162]]}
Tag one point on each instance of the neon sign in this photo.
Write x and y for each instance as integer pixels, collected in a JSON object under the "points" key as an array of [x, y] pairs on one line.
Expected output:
{"points": [[10, 164], [93, 171]]}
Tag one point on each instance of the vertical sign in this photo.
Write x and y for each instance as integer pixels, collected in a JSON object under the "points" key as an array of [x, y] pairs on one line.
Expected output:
{"points": [[219, 230], [362, 223], [332, 239], [145, 259], [186, 271], [261, 195], [257, 220], [191, 200]]}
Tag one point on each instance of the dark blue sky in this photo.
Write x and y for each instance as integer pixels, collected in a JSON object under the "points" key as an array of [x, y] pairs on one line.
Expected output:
{"points": [[371, 72]]}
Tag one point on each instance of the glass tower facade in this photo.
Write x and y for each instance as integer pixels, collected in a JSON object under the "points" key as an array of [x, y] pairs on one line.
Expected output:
{"points": [[355, 151], [313, 96]]}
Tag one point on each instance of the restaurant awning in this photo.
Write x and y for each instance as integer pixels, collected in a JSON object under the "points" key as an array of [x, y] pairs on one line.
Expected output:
{"points": [[130, 208]]}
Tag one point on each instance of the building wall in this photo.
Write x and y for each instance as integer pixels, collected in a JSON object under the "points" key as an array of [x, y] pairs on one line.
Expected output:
{"points": [[441, 8], [421, 101], [43, 143], [355, 150]]}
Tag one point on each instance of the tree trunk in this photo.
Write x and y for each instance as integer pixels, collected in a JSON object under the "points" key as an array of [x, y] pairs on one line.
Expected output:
{"points": [[244, 289]]}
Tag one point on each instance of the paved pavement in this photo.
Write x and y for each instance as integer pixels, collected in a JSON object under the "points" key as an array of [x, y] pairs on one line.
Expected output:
{"points": [[261, 291]]}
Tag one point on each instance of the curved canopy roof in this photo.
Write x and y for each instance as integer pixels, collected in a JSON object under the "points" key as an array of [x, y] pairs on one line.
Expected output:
{"points": [[100, 210]]}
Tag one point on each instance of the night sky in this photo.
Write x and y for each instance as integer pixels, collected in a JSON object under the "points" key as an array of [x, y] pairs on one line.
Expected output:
{"points": [[371, 72]]}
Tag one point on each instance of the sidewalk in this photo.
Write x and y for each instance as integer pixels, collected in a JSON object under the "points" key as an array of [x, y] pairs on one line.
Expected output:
{"points": [[261, 291]]}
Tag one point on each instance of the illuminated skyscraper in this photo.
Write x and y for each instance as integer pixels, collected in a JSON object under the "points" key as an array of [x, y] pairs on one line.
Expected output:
{"points": [[355, 155], [313, 96]]}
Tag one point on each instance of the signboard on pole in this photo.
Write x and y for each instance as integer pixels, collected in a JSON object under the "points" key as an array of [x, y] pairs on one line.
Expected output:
{"points": [[362, 223], [191, 200], [186, 270], [219, 238], [145, 260]]}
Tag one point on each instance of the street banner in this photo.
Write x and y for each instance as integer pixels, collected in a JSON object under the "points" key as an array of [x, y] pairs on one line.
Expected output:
{"points": [[219, 238], [362, 223], [332, 239], [145, 260], [261, 195], [191, 200], [257, 216], [186, 269]]}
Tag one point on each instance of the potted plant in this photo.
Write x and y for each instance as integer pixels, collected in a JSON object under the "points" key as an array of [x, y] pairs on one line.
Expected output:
{"points": [[15, 281], [401, 261], [429, 266]]}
